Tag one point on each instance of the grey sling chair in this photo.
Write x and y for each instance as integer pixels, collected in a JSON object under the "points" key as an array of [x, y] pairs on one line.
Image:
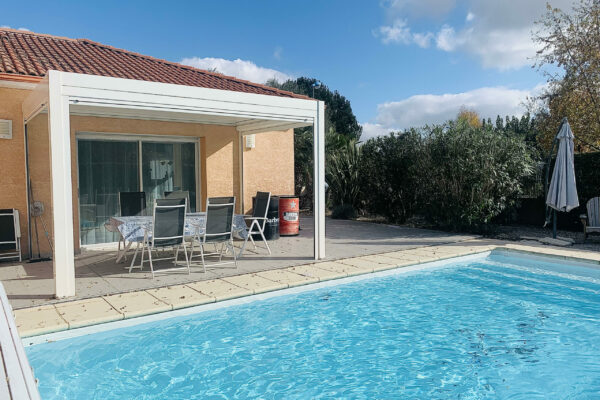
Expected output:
{"points": [[180, 194], [168, 230], [218, 231], [259, 219]]}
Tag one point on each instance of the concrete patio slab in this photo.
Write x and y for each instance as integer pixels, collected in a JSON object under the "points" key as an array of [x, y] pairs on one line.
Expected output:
{"points": [[219, 289], [255, 283], [180, 296], [373, 263], [88, 312], [38, 320], [286, 277], [312, 271], [343, 269], [405, 256], [135, 304]]}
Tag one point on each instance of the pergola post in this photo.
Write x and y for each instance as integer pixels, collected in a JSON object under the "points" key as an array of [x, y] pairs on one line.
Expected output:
{"points": [[319, 180], [63, 259]]}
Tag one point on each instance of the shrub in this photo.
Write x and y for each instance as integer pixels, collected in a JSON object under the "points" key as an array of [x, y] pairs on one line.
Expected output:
{"points": [[342, 171], [470, 174], [343, 211], [390, 175]]}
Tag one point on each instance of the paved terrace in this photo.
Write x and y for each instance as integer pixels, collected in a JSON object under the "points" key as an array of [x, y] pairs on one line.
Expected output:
{"points": [[31, 284], [395, 248]]}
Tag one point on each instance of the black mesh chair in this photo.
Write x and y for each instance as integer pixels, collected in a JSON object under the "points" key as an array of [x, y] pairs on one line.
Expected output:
{"points": [[132, 203], [258, 219], [168, 231], [218, 231], [10, 234], [179, 194]]}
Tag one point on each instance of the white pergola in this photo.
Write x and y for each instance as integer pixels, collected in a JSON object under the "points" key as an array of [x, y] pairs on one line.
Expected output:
{"points": [[62, 94]]}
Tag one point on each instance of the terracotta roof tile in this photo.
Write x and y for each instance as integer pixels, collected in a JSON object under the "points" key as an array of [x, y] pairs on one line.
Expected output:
{"points": [[29, 55]]}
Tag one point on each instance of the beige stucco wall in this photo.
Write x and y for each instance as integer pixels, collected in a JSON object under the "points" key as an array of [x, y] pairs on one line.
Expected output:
{"points": [[269, 166], [13, 187]]}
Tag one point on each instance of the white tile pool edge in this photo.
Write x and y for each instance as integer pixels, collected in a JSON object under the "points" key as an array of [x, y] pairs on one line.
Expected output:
{"points": [[88, 330]]}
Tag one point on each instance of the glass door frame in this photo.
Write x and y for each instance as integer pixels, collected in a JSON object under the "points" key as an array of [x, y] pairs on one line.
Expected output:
{"points": [[139, 138]]}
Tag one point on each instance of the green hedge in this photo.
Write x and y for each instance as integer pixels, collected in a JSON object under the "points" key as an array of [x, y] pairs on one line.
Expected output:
{"points": [[587, 176], [455, 175]]}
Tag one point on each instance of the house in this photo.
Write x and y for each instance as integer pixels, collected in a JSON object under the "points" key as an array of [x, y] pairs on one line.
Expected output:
{"points": [[88, 120]]}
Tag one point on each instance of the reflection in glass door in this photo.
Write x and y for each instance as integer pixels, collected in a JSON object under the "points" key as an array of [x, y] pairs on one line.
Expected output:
{"points": [[107, 167], [168, 167]]}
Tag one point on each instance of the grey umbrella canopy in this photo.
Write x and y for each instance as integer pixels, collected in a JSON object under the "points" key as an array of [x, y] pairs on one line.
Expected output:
{"points": [[562, 192]]}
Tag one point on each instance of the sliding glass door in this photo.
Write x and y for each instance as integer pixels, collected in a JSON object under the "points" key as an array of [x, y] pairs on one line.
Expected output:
{"points": [[168, 167], [107, 167]]}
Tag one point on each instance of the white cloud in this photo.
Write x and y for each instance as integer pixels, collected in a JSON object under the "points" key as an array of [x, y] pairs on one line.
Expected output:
{"points": [[20, 29], [423, 39], [242, 69], [430, 109], [398, 32], [372, 130], [446, 39], [494, 31]]}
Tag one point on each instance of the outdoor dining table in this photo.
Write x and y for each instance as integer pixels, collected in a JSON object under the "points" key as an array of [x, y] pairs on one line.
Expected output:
{"points": [[134, 228]]}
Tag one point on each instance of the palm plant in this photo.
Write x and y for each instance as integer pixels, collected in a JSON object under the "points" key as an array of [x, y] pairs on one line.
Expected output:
{"points": [[342, 172]]}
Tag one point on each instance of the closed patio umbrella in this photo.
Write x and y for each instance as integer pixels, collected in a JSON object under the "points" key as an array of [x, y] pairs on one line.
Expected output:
{"points": [[562, 192]]}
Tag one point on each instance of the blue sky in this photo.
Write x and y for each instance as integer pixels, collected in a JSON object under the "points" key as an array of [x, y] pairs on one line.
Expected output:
{"points": [[400, 62]]}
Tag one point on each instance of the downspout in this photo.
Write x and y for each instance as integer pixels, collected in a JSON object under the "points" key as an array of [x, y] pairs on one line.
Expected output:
{"points": [[28, 185], [241, 171]]}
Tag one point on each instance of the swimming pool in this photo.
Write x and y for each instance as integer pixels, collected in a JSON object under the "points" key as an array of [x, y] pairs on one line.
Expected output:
{"points": [[492, 326]]}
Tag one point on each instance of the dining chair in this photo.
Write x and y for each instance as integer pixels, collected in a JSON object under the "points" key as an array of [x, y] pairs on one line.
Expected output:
{"points": [[258, 219], [179, 194], [132, 203], [218, 231], [168, 231]]}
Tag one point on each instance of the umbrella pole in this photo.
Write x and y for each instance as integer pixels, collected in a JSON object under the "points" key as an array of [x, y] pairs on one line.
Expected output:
{"points": [[554, 225]]}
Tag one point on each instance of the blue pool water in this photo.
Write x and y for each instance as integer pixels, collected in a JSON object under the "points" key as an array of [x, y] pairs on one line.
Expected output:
{"points": [[496, 327]]}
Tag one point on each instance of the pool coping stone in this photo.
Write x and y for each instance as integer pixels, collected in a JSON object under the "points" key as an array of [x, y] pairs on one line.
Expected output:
{"points": [[53, 318]]}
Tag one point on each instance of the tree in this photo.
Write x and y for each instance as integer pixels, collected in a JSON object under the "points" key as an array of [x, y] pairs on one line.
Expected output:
{"points": [[571, 42], [469, 116], [341, 127], [338, 111]]}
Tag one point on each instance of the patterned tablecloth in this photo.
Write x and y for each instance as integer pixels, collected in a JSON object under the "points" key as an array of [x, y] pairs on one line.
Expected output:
{"points": [[133, 228]]}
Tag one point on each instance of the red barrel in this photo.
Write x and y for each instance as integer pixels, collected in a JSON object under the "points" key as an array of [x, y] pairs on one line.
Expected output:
{"points": [[289, 215]]}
